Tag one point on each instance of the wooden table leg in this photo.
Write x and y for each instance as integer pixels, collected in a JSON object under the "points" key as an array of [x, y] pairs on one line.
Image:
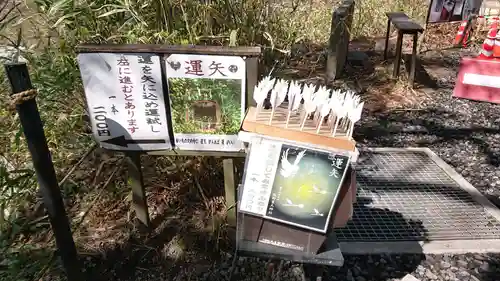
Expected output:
{"points": [[399, 47], [411, 78], [136, 180], [387, 38], [230, 189]]}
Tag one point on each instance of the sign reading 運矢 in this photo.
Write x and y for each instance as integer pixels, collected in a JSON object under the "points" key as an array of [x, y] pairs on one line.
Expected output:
{"points": [[207, 94], [126, 101]]}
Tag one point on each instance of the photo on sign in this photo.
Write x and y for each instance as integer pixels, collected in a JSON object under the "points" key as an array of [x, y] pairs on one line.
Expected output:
{"points": [[207, 96], [450, 10], [306, 186], [207, 106]]}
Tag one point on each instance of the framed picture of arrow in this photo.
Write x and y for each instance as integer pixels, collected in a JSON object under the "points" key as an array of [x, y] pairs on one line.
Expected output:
{"points": [[126, 100]]}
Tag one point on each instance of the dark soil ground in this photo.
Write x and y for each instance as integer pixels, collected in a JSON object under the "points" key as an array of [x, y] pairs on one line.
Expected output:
{"points": [[189, 240]]}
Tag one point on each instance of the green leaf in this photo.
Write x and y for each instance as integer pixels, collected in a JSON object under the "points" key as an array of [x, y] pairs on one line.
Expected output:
{"points": [[112, 12], [65, 17]]}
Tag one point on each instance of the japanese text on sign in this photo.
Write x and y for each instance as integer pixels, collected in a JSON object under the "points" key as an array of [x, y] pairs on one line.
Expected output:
{"points": [[260, 178], [205, 66], [129, 111]]}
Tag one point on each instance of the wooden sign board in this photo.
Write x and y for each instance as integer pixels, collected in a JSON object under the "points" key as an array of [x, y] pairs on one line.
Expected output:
{"points": [[207, 94], [441, 11], [294, 185], [148, 97], [126, 100]]}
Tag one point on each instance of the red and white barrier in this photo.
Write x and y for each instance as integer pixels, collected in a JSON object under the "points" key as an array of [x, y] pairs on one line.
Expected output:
{"points": [[478, 79], [460, 37]]}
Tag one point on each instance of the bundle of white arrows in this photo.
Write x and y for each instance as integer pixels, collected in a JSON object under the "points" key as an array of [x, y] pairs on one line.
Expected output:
{"points": [[336, 110]]}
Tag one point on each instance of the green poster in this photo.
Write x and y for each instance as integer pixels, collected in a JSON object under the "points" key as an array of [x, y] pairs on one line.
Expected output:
{"points": [[305, 186]]}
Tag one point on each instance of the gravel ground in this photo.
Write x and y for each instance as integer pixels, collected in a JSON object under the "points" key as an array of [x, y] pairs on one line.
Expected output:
{"points": [[464, 133]]}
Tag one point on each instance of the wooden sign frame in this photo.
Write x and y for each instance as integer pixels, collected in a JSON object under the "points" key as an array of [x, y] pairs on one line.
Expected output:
{"points": [[251, 55]]}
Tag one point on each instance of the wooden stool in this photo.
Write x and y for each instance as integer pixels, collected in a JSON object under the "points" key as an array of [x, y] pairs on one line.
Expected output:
{"points": [[404, 25]]}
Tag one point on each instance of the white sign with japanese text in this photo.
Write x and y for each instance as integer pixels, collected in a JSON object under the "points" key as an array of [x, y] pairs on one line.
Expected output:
{"points": [[125, 100], [260, 171], [207, 95]]}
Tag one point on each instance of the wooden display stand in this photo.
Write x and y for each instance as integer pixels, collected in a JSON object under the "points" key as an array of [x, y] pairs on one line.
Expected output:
{"points": [[261, 237], [260, 125], [258, 229]]}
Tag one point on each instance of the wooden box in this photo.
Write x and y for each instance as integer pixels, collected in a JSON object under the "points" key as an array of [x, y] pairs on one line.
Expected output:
{"points": [[259, 229]]}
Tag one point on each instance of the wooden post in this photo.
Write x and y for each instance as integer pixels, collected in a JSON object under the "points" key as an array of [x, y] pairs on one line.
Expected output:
{"points": [[411, 77], [338, 45], [387, 34], [230, 189], [136, 180], [252, 75], [42, 162], [399, 47]]}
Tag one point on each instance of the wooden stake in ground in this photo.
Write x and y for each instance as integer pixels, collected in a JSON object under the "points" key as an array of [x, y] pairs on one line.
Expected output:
{"points": [[24, 100]]}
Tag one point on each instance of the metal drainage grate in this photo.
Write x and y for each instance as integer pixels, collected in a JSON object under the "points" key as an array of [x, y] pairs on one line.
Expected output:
{"points": [[412, 195]]}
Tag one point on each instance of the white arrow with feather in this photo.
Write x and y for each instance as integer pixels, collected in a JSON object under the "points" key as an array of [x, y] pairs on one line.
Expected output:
{"points": [[309, 106], [294, 99], [278, 95], [324, 111], [260, 92], [319, 100], [354, 116], [340, 112], [335, 98]]}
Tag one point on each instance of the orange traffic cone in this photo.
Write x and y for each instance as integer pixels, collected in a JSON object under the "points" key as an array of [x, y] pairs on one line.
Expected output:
{"points": [[496, 48], [460, 33], [489, 43]]}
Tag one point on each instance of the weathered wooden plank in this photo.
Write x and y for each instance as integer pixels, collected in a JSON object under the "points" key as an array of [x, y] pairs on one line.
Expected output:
{"points": [[136, 180], [260, 125], [170, 49], [230, 189]]}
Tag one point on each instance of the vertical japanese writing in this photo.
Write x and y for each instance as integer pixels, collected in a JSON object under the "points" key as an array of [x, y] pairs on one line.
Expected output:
{"points": [[149, 94], [127, 88], [337, 166], [266, 182]]}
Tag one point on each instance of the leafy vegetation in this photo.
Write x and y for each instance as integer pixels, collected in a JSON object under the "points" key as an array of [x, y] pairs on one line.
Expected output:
{"points": [[46, 32]]}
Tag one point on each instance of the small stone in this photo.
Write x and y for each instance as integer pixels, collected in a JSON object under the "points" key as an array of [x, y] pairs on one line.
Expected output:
{"points": [[409, 277], [484, 267], [349, 276], [360, 278], [463, 274], [431, 275], [445, 264], [462, 263], [474, 278]]}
